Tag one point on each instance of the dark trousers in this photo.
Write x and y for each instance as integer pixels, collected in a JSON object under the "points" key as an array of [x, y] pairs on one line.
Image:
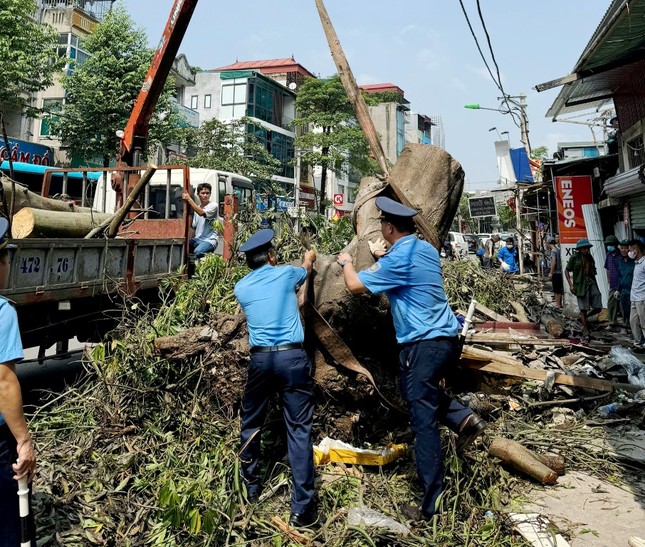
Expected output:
{"points": [[423, 365], [9, 510], [288, 373], [625, 306]]}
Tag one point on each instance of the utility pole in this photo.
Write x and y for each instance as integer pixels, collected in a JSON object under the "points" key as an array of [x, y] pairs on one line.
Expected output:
{"points": [[524, 120]]}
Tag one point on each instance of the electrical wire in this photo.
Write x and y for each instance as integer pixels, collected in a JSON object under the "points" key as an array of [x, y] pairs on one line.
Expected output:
{"points": [[497, 80], [499, 77], [481, 53]]}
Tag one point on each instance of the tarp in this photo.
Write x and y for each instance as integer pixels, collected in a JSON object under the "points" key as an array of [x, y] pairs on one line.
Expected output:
{"points": [[521, 165]]}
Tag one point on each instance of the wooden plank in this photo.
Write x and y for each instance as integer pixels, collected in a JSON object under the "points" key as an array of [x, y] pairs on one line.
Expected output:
{"points": [[491, 314], [505, 325], [520, 371], [496, 339]]}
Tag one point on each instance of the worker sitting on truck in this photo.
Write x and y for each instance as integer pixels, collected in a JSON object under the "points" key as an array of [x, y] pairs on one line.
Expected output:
{"points": [[17, 458], [426, 329], [204, 216]]}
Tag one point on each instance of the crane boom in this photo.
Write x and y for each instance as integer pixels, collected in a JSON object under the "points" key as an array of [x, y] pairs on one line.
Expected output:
{"points": [[136, 130]]}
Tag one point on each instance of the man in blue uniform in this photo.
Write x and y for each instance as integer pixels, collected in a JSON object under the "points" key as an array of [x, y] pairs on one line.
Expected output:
{"points": [[426, 330], [17, 458], [507, 257], [278, 363]]}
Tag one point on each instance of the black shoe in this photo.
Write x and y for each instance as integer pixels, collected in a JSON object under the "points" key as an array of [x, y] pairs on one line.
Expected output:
{"points": [[302, 520], [253, 498], [412, 512], [471, 428]]}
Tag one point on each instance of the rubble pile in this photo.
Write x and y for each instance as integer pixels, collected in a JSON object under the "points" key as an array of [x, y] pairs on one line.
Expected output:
{"points": [[146, 451]]}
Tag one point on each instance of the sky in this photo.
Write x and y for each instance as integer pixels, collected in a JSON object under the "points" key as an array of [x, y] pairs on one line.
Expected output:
{"points": [[422, 46]]}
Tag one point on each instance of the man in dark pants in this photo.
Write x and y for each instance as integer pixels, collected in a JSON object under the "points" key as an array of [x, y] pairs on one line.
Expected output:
{"points": [[426, 330], [278, 363], [17, 458]]}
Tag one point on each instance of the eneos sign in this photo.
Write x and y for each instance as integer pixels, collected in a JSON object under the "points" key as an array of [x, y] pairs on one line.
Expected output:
{"points": [[571, 194]]}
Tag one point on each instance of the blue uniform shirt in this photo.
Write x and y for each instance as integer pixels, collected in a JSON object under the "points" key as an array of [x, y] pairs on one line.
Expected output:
{"points": [[268, 297], [10, 343], [410, 275], [510, 257]]}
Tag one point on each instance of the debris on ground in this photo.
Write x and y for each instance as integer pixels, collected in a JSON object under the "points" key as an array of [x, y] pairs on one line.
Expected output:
{"points": [[146, 451]]}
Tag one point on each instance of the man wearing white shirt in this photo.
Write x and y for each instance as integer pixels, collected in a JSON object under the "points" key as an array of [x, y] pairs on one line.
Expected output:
{"points": [[637, 295], [204, 215]]}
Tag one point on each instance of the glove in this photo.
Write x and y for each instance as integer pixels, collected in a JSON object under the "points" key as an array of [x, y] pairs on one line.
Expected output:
{"points": [[377, 248]]}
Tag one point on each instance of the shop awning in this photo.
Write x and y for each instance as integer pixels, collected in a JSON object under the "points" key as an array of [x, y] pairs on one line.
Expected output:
{"points": [[615, 47]]}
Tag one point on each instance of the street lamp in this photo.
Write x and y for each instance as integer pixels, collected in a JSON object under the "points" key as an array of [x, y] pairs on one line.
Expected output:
{"points": [[519, 107], [495, 129], [506, 133]]}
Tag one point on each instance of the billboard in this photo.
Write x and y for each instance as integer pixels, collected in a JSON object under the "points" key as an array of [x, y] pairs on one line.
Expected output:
{"points": [[482, 207], [571, 194]]}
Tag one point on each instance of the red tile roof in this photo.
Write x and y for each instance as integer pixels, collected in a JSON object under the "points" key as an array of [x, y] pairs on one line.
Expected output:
{"points": [[268, 66], [380, 88]]}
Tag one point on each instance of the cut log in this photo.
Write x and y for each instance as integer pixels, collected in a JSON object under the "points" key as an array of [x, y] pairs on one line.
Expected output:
{"points": [[552, 461], [520, 312], [29, 222], [552, 324], [25, 198], [521, 458], [133, 196]]}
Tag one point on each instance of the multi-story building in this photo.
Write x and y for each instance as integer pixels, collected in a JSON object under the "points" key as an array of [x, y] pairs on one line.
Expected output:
{"points": [[418, 129], [390, 117], [265, 91], [75, 20], [228, 95]]}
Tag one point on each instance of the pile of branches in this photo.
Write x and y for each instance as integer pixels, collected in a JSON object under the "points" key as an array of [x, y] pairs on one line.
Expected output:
{"points": [[145, 450], [465, 280]]}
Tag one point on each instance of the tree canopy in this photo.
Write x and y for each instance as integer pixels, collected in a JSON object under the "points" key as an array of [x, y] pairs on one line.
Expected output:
{"points": [[28, 53], [336, 140], [101, 92], [230, 147]]}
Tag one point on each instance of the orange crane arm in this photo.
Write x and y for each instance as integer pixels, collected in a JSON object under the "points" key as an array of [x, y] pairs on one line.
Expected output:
{"points": [[136, 130]]}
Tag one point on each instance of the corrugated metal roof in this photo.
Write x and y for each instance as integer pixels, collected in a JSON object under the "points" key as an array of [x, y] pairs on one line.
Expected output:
{"points": [[617, 43]]}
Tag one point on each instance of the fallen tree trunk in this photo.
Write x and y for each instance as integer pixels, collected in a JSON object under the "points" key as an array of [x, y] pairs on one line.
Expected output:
{"points": [[521, 458], [29, 222], [552, 324], [25, 198]]}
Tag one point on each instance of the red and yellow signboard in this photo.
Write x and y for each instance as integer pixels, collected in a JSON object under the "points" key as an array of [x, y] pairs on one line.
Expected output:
{"points": [[571, 194]]}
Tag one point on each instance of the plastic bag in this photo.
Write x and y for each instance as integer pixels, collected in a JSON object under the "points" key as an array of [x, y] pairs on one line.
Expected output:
{"points": [[364, 516], [332, 450], [632, 364]]}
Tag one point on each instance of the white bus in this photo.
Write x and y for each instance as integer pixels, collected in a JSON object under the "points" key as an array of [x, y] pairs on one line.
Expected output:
{"points": [[167, 181]]}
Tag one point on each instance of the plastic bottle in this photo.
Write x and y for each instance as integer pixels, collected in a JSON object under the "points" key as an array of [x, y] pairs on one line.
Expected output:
{"points": [[607, 410]]}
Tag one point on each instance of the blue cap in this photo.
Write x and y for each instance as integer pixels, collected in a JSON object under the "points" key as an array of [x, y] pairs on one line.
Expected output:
{"points": [[261, 238], [582, 243], [394, 208], [4, 226]]}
